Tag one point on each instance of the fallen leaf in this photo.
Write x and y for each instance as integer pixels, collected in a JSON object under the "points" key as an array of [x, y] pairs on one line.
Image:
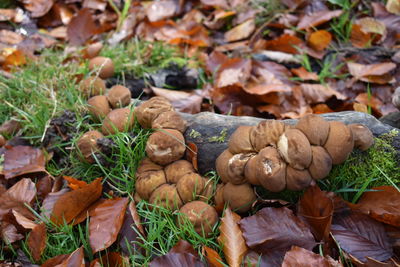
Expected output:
{"points": [[191, 154], [50, 200], [23, 191], [23, 160], [74, 183], [240, 32], [38, 8], [317, 18], [319, 93], [215, 3], [359, 38], [113, 259], [37, 241], [320, 40], [213, 258], [285, 43], [129, 235], [95, 4], [43, 186], [183, 101], [10, 38], [81, 27], [23, 221], [10, 127], [298, 256], [234, 71], [55, 261], [369, 100], [303, 74], [360, 71], [360, 107], [374, 27], [16, 58], [75, 259], [161, 10], [231, 238], [393, 6], [9, 233], [105, 222]]}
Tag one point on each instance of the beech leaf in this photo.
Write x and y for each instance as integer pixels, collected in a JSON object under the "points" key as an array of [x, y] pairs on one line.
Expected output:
{"points": [[81, 27], [213, 258], [37, 241], [317, 18], [22, 160], [298, 256]]}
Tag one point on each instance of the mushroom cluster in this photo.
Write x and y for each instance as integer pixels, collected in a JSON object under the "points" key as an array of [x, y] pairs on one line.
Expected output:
{"points": [[278, 156]]}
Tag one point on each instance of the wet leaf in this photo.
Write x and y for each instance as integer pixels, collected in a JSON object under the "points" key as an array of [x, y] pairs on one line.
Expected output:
{"points": [[81, 27], [183, 101], [231, 238], [320, 40], [213, 258], [37, 241], [105, 222], [317, 18], [75, 259], [23, 160], [70, 204], [241, 31], [38, 8], [298, 256]]}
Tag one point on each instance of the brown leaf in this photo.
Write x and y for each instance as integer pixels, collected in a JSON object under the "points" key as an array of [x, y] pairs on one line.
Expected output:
{"points": [[110, 259], [320, 40], [215, 3], [231, 238], [55, 261], [285, 43], [298, 256], [358, 38], [16, 58], [95, 4], [393, 6], [130, 232], [161, 10], [50, 200], [105, 222], [74, 183], [374, 27], [10, 127], [23, 191], [369, 100], [70, 204], [38, 8], [81, 27], [75, 259], [360, 71], [317, 18], [9, 233], [319, 93], [23, 160], [241, 31], [191, 154], [234, 71], [23, 221], [213, 258], [183, 101], [303, 74], [37, 241]]}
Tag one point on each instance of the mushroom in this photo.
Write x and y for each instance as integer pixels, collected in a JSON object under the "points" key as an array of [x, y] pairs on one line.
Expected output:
{"points": [[315, 128], [3, 140], [165, 146], [321, 163], [190, 186], [92, 86], [208, 190], [339, 143], [363, 138], [295, 148], [201, 215], [297, 180], [146, 165], [266, 133], [177, 169], [166, 196], [147, 182], [169, 120], [87, 145], [118, 120], [239, 197], [149, 110], [98, 106], [219, 197], [239, 142], [119, 96], [221, 165], [93, 50], [103, 65], [249, 172], [137, 198], [236, 166]]}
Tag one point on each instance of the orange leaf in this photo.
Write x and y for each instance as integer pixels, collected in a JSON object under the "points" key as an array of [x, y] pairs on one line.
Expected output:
{"points": [[213, 258], [358, 38], [285, 43], [303, 74], [37, 241], [320, 40], [231, 238], [75, 259], [74, 183], [16, 58], [360, 107]]}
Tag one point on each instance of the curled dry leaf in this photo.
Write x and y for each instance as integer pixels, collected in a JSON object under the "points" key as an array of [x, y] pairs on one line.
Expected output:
{"points": [[38, 8], [367, 73], [231, 238], [23, 160], [213, 258], [37, 241], [110, 259], [319, 93], [75, 259], [81, 27], [241, 31], [320, 40], [298, 256], [317, 18], [74, 183]]}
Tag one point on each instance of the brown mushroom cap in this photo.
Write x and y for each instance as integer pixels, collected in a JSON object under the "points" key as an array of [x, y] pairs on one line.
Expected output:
{"points": [[3, 140], [87, 144], [208, 190], [146, 165], [149, 110], [240, 197], [219, 197], [98, 106], [166, 196], [165, 146], [137, 198], [201, 215], [321, 163], [221, 165], [104, 65], [249, 172], [93, 50], [119, 96], [190, 186], [118, 120], [297, 180], [295, 148], [266, 133], [92, 86], [147, 182], [177, 169], [363, 137], [236, 166], [169, 120], [340, 142], [239, 142], [315, 128]]}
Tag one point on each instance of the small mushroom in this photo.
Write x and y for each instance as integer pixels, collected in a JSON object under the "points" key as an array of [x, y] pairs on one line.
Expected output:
{"points": [[149, 110], [236, 166], [169, 120], [340, 142], [295, 148], [315, 128], [266, 133], [239, 142], [103, 65], [249, 172], [201, 215], [146, 165], [118, 120], [208, 190], [297, 180], [177, 169], [119, 96], [221, 165], [87, 145], [98, 106], [166, 196], [92, 86], [147, 182], [321, 163], [239, 197], [165, 146], [190, 186], [93, 50], [219, 197], [363, 137]]}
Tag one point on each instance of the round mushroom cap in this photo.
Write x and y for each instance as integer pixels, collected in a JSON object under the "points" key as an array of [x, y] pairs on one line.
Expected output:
{"points": [[221, 165], [295, 148], [149, 110], [169, 120], [270, 169], [103, 65], [239, 142], [98, 106], [297, 180], [363, 137], [201, 215], [177, 169], [340, 142], [118, 120], [219, 197], [87, 145], [147, 182], [315, 128], [249, 173], [240, 197], [266, 133], [165, 146], [92, 86], [137, 198], [208, 190], [166, 196], [236, 166], [93, 50], [146, 165], [190, 186], [119, 96], [321, 163]]}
